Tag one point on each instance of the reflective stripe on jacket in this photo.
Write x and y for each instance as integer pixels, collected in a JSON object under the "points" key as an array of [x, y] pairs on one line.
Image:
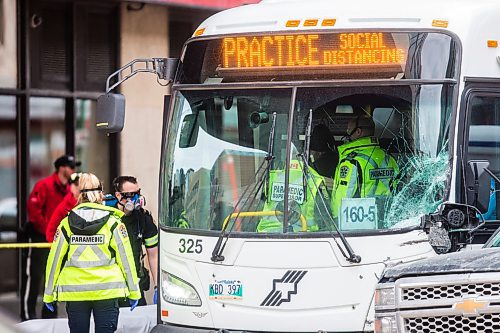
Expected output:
{"points": [[91, 257], [364, 171], [305, 200]]}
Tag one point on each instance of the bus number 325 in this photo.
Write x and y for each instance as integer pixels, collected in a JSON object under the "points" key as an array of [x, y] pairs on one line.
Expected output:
{"points": [[190, 246]]}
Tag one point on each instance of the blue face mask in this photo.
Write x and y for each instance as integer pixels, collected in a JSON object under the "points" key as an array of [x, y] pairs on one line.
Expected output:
{"points": [[136, 202]]}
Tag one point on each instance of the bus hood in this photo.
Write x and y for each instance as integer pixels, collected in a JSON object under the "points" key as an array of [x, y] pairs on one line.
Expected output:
{"points": [[292, 299], [283, 284]]}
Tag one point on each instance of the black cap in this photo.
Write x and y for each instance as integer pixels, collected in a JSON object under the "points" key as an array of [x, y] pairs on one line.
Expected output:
{"points": [[67, 160]]}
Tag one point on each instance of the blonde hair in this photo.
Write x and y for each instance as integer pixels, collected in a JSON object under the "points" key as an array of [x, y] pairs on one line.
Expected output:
{"points": [[89, 181]]}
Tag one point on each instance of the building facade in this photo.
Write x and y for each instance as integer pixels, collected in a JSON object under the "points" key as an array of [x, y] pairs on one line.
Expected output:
{"points": [[55, 56]]}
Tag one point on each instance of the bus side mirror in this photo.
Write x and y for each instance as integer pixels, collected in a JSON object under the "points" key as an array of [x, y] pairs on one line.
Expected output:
{"points": [[478, 184], [189, 131], [110, 116]]}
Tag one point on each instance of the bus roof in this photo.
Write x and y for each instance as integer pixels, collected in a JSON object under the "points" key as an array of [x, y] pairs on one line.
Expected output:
{"points": [[272, 15], [475, 22]]}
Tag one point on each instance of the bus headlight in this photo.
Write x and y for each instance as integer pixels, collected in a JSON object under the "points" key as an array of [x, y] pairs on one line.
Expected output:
{"points": [[385, 296], [386, 324], [177, 291]]}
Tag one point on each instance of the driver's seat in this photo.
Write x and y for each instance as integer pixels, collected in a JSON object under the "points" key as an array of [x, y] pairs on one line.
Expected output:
{"points": [[390, 129]]}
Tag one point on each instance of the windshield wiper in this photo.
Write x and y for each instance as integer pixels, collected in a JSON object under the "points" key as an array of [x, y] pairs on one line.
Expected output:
{"points": [[350, 256], [224, 236]]}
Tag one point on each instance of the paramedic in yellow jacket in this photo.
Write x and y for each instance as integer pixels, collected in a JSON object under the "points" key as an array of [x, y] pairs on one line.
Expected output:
{"points": [[365, 170], [90, 265], [302, 199]]}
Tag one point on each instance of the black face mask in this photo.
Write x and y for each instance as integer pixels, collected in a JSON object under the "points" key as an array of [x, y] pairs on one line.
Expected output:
{"points": [[348, 138]]}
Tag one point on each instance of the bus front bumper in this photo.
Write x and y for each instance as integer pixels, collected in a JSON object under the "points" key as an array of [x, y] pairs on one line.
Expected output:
{"points": [[166, 328]]}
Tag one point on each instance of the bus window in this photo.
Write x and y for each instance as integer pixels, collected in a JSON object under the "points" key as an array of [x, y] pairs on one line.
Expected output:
{"points": [[401, 179], [484, 141], [211, 173]]}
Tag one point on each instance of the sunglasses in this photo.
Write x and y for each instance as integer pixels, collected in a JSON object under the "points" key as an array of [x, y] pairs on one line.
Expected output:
{"points": [[130, 195]]}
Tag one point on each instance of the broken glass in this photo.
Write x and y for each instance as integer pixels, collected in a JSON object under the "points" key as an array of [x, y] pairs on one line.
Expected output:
{"points": [[420, 189]]}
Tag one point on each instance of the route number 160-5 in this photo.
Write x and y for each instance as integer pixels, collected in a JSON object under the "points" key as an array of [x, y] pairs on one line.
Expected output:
{"points": [[358, 214], [190, 246]]}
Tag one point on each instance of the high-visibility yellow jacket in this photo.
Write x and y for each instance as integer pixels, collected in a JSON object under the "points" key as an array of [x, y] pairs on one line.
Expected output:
{"points": [[182, 221], [364, 171], [91, 257], [305, 200]]}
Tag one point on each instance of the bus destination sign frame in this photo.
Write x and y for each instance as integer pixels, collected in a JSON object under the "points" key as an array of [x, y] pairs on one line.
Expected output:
{"points": [[311, 50]]}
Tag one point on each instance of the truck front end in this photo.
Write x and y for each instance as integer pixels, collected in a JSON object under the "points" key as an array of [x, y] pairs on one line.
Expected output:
{"points": [[458, 292]]}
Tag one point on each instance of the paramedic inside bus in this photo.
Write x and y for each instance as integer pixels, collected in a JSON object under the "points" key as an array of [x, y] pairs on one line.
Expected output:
{"points": [[365, 170], [304, 197]]}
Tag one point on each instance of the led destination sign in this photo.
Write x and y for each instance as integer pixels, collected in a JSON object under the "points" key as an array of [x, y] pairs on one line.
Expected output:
{"points": [[311, 50], [319, 55]]}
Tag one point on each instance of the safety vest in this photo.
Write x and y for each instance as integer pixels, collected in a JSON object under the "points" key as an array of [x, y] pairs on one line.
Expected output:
{"points": [[182, 221], [304, 200], [91, 257], [364, 171]]}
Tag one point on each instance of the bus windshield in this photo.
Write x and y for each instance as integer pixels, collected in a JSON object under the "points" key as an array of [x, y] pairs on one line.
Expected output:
{"points": [[365, 158]]}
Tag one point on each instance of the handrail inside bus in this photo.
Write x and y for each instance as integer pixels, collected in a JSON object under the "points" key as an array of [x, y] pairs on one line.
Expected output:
{"points": [[303, 220]]}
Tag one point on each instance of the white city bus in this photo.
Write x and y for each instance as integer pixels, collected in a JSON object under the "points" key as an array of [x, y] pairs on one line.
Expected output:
{"points": [[250, 88]]}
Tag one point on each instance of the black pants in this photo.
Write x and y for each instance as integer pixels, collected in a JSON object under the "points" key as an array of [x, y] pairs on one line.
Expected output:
{"points": [[33, 262], [105, 316]]}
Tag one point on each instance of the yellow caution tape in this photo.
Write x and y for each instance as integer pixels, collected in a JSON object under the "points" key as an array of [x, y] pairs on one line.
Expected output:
{"points": [[24, 245]]}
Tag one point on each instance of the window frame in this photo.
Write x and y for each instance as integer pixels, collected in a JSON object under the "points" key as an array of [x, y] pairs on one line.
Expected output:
{"points": [[474, 87], [295, 85]]}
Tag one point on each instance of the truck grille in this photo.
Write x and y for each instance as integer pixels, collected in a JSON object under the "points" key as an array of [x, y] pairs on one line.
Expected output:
{"points": [[487, 323], [450, 291]]}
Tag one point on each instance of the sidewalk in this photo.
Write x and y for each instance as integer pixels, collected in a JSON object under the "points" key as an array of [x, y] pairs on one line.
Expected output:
{"points": [[10, 307], [141, 320], [9, 313]]}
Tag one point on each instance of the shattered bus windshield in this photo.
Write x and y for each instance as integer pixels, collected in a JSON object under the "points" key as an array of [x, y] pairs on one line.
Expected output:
{"points": [[364, 158]]}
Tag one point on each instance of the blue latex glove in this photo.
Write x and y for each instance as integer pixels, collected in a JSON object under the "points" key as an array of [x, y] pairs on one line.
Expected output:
{"points": [[50, 306], [155, 296], [133, 303]]}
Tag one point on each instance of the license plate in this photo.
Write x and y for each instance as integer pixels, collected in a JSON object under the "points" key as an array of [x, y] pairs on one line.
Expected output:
{"points": [[358, 214], [225, 289]]}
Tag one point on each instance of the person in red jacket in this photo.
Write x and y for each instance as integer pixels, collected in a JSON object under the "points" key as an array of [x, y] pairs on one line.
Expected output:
{"points": [[69, 202], [42, 201]]}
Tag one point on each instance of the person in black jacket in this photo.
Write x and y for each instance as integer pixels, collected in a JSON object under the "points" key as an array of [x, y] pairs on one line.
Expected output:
{"points": [[324, 155], [142, 230]]}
